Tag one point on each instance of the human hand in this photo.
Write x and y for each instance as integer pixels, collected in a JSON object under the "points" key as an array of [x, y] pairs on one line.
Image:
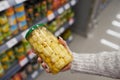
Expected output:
{"points": [[44, 65]]}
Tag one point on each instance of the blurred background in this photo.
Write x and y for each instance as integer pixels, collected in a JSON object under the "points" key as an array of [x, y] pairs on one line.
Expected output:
{"points": [[88, 26]]}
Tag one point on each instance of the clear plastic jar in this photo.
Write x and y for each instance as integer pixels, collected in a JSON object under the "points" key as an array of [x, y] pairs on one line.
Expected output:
{"points": [[47, 46]]}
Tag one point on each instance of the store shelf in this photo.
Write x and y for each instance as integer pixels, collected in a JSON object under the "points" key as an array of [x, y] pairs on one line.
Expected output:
{"points": [[5, 4], [11, 71], [69, 39], [60, 30], [12, 42], [34, 75], [16, 66]]}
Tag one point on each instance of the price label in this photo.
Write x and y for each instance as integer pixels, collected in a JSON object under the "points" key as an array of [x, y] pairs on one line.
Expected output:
{"points": [[23, 62], [70, 38], [32, 55], [24, 33], [57, 33], [12, 42], [4, 5], [51, 17], [34, 74], [73, 2], [19, 1], [60, 10], [62, 29], [71, 21], [67, 6]]}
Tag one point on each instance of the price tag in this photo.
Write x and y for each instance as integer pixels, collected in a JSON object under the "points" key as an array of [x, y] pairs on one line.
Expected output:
{"points": [[71, 21], [4, 5], [67, 6], [23, 62], [57, 33], [24, 33], [19, 1], [11, 42], [51, 17], [62, 29], [70, 38], [73, 2], [34, 74], [31, 55], [60, 10]]}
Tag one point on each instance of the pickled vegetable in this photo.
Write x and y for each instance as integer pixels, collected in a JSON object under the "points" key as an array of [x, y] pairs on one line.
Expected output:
{"points": [[48, 48]]}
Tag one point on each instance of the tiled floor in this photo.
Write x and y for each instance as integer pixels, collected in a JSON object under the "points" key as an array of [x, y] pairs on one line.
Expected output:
{"points": [[105, 37]]}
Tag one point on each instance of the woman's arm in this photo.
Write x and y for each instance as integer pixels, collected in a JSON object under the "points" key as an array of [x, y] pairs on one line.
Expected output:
{"points": [[104, 64]]}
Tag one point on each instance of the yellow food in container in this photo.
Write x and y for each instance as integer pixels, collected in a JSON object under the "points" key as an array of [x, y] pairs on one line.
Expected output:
{"points": [[47, 46]]}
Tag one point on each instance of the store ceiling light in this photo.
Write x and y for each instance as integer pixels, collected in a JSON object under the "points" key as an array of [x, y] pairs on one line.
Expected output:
{"points": [[116, 23]]}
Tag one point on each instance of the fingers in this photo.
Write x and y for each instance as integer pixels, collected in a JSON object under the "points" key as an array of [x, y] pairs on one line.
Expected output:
{"points": [[44, 65], [66, 68], [63, 42], [40, 60]]}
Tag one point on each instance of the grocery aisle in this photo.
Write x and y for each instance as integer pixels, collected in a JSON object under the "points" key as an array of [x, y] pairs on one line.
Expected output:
{"points": [[105, 37]]}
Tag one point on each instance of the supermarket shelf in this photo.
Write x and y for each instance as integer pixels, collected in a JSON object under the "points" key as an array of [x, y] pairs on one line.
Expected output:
{"points": [[69, 39], [34, 75], [11, 71], [60, 30], [12, 42], [5, 4], [17, 65]]}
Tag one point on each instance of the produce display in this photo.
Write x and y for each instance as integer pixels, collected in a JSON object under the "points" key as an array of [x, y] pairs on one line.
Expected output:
{"points": [[48, 48]]}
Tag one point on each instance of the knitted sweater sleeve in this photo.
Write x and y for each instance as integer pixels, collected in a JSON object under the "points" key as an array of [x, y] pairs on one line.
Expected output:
{"points": [[103, 64]]}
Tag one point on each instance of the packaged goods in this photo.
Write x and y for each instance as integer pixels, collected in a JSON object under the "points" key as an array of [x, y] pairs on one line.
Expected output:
{"points": [[47, 46], [49, 4], [20, 16], [44, 8], [1, 37], [19, 7], [1, 70], [3, 18], [23, 74], [29, 14], [10, 11], [14, 29], [12, 21], [10, 54], [35, 66], [22, 25], [37, 10], [26, 45], [29, 69], [66, 34], [6, 31], [17, 77], [5, 61], [19, 51]]}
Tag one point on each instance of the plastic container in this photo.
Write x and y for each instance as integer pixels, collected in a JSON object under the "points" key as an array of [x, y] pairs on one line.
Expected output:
{"points": [[47, 46]]}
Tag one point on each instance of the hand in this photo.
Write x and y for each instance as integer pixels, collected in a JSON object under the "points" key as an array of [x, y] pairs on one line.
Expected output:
{"points": [[44, 65]]}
